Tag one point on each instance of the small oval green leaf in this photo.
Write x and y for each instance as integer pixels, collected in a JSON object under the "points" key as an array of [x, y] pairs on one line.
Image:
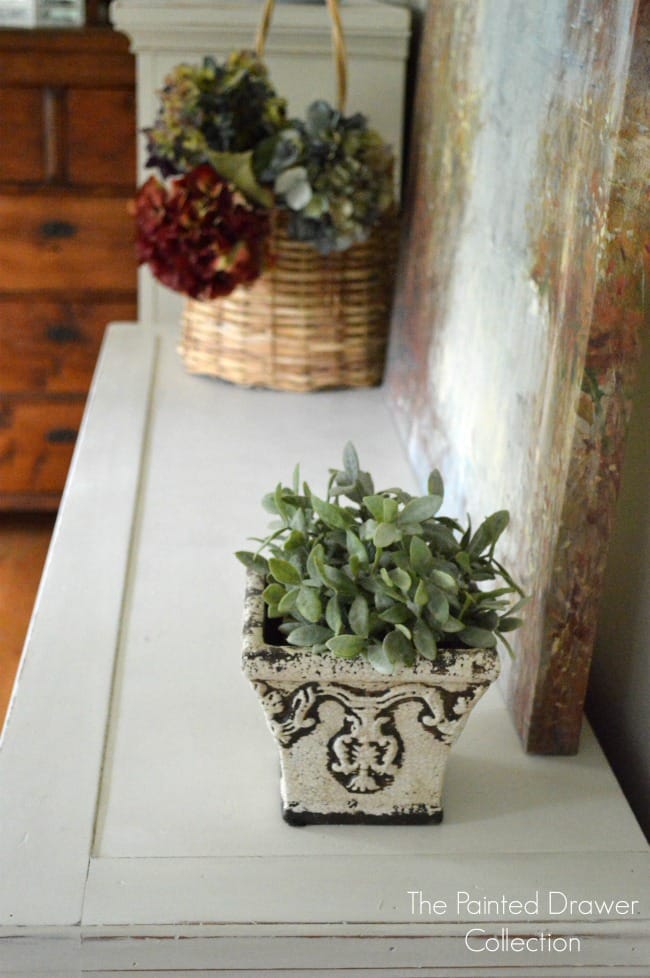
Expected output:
{"points": [[397, 646], [435, 485], [386, 534], [307, 635], [401, 579], [489, 532], [453, 625], [421, 594], [464, 561], [438, 606], [375, 506], [356, 547], [288, 600], [351, 462], [294, 541], [477, 638], [420, 509], [390, 509], [283, 571], [346, 646], [253, 561], [308, 604], [314, 561], [509, 624], [420, 556], [358, 616], [379, 660], [333, 516], [337, 580], [444, 581], [397, 613], [424, 641], [273, 594], [333, 614]]}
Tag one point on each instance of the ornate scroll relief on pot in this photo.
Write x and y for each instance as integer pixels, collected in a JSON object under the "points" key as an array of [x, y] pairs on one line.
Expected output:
{"points": [[299, 57]]}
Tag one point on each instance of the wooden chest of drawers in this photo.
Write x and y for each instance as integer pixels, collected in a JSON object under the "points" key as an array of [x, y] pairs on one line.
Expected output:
{"points": [[67, 266]]}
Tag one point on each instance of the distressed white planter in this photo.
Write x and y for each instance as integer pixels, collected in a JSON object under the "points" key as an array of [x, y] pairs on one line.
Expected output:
{"points": [[355, 745]]}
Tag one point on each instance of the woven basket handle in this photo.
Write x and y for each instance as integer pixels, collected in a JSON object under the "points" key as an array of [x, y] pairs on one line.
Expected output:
{"points": [[338, 44]]}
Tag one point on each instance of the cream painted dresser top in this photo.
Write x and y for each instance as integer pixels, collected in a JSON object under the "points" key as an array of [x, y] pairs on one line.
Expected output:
{"points": [[140, 827]]}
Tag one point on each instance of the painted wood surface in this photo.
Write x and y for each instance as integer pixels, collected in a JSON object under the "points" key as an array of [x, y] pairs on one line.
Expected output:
{"points": [[53, 742], [513, 153], [432, 971], [135, 836]]}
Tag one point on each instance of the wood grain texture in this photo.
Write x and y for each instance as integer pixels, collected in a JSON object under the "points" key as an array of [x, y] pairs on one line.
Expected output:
{"points": [[48, 351], [21, 147], [51, 345], [67, 259], [24, 540], [62, 242], [101, 143], [64, 57], [37, 439]]}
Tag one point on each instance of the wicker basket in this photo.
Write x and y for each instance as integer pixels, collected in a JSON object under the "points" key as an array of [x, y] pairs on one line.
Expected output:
{"points": [[309, 322]]}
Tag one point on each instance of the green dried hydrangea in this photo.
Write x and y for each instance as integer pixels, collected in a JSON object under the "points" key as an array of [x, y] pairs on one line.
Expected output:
{"points": [[332, 173], [212, 109]]}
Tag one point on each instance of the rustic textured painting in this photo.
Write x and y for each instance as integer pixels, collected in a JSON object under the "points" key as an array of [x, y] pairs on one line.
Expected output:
{"points": [[514, 143]]}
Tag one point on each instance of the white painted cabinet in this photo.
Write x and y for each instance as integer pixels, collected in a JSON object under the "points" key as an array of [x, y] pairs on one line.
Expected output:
{"points": [[299, 54], [140, 827]]}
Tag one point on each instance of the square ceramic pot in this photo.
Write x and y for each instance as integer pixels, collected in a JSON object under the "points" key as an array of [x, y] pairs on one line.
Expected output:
{"points": [[356, 745]]}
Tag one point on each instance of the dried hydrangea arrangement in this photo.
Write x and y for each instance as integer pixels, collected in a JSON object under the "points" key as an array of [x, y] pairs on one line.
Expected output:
{"points": [[381, 575], [198, 235], [332, 175], [332, 172], [213, 108]]}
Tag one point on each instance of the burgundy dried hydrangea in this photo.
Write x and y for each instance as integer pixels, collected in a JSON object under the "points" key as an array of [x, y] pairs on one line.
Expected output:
{"points": [[198, 235]]}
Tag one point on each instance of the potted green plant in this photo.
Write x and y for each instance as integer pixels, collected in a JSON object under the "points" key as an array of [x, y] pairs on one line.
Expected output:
{"points": [[371, 625]]}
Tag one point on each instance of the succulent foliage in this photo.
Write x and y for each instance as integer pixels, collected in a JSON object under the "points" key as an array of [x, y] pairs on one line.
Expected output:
{"points": [[380, 574]]}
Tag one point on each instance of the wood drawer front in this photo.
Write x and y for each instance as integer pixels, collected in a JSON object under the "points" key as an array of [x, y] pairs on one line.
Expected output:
{"points": [[66, 244], [64, 58], [101, 138], [62, 68], [22, 147], [68, 137], [37, 439], [52, 347]]}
